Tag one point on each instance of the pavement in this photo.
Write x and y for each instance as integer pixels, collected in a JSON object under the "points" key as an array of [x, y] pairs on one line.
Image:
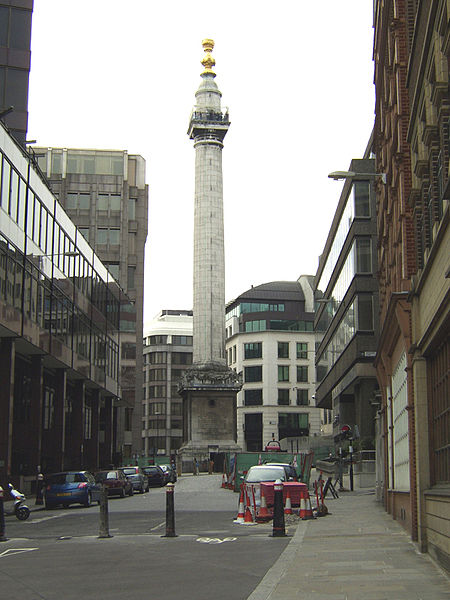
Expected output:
{"points": [[356, 552]]}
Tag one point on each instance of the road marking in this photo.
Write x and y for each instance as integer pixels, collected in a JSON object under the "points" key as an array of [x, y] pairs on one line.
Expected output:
{"points": [[11, 551], [158, 526], [206, 540], [41, 520]]}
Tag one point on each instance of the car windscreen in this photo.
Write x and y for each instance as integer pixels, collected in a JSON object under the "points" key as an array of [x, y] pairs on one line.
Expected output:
{"points": [[129, 471], [265, 474], [61, 478]]}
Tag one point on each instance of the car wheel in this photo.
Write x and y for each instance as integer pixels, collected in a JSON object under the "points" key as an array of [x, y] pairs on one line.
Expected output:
{"points": [[147, 489], [142, 490], [88, 501], [131, 492]]}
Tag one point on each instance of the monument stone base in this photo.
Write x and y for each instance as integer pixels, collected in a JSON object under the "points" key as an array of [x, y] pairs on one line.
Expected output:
{"points": [[209, 413]]}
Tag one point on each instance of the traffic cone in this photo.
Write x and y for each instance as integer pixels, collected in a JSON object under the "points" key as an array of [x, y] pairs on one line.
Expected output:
{"points": [[288, 505], [302, 511], [263, 513], [224, 483], [308, 513], [248, 518], [240, 516]]}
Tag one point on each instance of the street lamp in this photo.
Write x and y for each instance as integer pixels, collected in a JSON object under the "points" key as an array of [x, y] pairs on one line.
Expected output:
{"points": [[338, 175]]}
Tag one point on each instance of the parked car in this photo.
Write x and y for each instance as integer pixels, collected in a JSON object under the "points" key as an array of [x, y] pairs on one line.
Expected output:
{"points": [[155, 474], [116, 482], [70, 487], [291, 472], [170, 473], [137, 477], [258, 473]]}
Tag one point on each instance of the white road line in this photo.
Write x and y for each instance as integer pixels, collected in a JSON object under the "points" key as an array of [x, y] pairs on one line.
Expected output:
{"points": [[46, 518], [158, 526]]}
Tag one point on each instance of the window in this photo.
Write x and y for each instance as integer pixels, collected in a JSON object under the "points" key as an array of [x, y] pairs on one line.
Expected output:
{"points": [[176, 408], [292, 424], [253, 397], [157, 358], [113, 268], [363, 255], [253, 350], [283, 372], [158, 339], [181, 358], [302, 350], [302, 373], [131, 273], [157, 408], [365, 313], [132, 209], [84, 232], [283, 397], [253, 374], [156, 391], [283, 349], [255, 326], [128, 350], [361, 197], [302, 397], [157, 375], [182, 340], [48, 408]]}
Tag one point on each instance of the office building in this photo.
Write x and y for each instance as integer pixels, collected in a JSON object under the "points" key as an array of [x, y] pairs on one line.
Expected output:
{"points": [[60, 313], [411, 53], [270, 341], [167, 356], [346, 292], [105, 194], [15, 55]]}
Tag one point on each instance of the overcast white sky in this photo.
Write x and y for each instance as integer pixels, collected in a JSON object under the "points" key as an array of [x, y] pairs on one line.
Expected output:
{"points": [[297, 77]]}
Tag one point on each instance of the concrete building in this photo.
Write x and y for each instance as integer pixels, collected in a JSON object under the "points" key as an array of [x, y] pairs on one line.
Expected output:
{"points": [[271, 341], [15, 54], [346, 291], [411, 53], [167, 356], [209, 388], [60, 311], [105, 194]]}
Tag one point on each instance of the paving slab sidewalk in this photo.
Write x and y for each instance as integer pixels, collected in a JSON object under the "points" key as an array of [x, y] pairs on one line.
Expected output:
{"points": [[357, 552]]}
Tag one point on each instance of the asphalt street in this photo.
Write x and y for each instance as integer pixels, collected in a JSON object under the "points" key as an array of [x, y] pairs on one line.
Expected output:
{"points": [[57, 553]]}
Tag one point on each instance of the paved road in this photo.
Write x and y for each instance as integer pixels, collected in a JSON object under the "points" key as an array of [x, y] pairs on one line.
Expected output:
{"points": [[57, 555]]}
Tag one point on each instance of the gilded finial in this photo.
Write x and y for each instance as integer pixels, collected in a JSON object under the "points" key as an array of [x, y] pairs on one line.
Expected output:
{"points": [[208, 61]]}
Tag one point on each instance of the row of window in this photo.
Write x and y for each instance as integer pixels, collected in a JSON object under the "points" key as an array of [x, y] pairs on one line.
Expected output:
{"points": [[255, 373], [255, 397], [276, 325], [255, 350], [160, 358], [175, 340], [160, 409]]}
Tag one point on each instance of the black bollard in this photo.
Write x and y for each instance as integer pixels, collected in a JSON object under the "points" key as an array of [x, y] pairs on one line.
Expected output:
{"points": [[278, 529], [170, 511], [103, 531], [3, 537]]}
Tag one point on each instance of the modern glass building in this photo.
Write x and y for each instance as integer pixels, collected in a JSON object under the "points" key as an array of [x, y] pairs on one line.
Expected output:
{"points": [[346, 293], [60, 315]]}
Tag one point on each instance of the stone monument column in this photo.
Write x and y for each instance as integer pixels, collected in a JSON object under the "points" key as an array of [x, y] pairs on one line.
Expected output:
{"points": [[209, 388]]}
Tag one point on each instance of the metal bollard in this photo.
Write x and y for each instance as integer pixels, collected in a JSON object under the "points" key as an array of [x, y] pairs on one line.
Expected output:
{"points": [[3, 537], [170, 511], [278, 529], [103, 531]]}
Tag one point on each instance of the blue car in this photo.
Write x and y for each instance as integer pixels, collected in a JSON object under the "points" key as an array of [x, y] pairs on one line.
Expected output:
{"points": [[71, 487]]}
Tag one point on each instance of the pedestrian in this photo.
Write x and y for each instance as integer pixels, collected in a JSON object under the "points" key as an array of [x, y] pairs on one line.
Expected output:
{"points": [[210, 467], [195, 466]]}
